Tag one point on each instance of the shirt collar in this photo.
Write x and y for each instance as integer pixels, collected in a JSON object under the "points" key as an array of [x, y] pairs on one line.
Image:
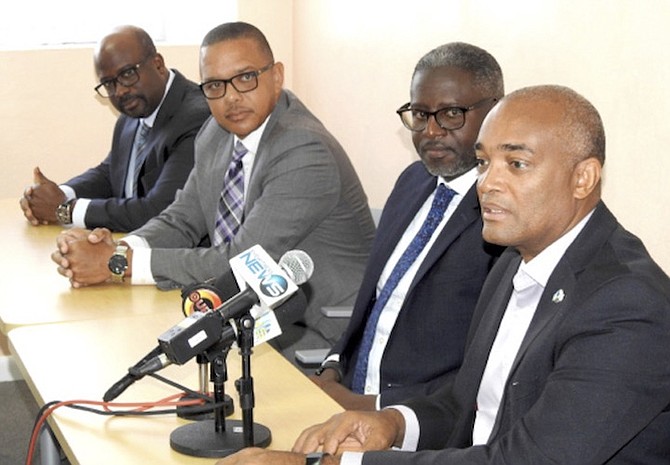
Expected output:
{"points": [[151, 119], [462, 184], [253, 139], [542, 265]]}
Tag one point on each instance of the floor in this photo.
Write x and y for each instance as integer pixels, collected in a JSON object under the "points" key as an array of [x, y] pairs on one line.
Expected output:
{"points": [[18, 411]]}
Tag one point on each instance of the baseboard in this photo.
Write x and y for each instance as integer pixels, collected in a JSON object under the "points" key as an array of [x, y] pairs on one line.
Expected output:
{"points": [[8, 369]]}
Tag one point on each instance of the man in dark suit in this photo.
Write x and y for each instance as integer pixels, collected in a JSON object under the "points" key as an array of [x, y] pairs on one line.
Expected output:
{"points": [[453, 87], [567, 356], [139, 178], [298, 190]]}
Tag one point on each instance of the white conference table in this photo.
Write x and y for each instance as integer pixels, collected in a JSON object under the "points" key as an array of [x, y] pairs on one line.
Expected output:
{"points": [[34, 293], [82, 359]]}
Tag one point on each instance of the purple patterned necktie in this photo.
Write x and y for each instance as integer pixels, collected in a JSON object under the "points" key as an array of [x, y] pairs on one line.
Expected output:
{"points": [[443, 196], [231, 202]]}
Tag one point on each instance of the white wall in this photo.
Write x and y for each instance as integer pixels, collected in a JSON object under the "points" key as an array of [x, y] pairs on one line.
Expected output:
{"points": [[354, 61], [351, 61]]}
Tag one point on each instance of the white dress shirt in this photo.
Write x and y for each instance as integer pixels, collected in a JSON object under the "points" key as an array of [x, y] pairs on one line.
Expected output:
{"points": [[531, 279], [389, 314]]}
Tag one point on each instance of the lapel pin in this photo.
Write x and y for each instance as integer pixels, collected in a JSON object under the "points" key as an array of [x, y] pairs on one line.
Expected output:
{"points": [[558, 296]]}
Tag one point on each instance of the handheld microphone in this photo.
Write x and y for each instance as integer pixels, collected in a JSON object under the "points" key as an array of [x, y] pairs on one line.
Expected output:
{"points": [[270, 285]]}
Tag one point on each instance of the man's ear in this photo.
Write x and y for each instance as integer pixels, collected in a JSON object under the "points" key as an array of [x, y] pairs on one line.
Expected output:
{"points": [[278, 75], [586, 177]]}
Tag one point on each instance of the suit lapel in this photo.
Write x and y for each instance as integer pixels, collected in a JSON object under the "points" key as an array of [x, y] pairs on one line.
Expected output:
{"points": [[466, 213], [559, 295], [395, 222]]}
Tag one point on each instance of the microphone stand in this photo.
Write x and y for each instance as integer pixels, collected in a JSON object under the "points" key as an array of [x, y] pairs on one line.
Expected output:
{"points": [[220, 437], [186, 412]]}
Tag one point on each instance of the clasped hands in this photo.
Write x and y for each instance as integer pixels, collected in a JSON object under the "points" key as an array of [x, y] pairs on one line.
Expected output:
{"points": [[40, 200], [347, 431], [82, 256]]}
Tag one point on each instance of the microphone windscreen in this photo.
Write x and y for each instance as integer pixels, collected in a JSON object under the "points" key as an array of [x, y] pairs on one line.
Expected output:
{"points": [[298, 265], [205, 297], [226, 286], [293, 309]]}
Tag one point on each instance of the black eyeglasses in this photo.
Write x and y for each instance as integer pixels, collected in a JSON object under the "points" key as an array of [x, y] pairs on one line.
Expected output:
{"points": [[448, 118], [127, 77], [243, 82]]}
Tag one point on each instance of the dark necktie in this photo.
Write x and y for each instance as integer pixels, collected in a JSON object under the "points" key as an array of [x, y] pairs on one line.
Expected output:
{"points": [[231, 202], [139, 155], [443, 196]]}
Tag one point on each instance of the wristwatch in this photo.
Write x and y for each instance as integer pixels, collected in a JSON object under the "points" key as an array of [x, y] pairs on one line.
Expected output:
{"points": [[118, 263], [314, 458], [64, 211], [333, 365]]}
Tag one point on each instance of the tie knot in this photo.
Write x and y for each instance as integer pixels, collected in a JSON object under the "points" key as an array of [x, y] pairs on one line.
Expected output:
{"points": [[239, 151], [143, 129]]}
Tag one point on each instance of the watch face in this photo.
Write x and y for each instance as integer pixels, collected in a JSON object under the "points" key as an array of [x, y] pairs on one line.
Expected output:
{"points": [[118, 264]]}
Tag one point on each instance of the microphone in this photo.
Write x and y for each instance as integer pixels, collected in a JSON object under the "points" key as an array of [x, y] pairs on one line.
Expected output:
{"points": [[175, 344], [121, 385], [270, 285], [203, 297]]}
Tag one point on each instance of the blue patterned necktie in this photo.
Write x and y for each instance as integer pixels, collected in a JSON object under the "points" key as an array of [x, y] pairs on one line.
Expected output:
{"points": [[443, 196], [231, 202], [138, 155]]}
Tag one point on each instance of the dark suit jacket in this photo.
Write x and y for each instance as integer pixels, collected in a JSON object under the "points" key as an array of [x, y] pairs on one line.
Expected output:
{"points": [[591, 381], [441, 298], [303, 194], [168, 162]]}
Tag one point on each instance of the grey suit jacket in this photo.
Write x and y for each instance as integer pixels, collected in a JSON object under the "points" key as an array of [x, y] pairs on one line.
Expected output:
{"points": [[303, 194], [591, 381], [169, 159]]}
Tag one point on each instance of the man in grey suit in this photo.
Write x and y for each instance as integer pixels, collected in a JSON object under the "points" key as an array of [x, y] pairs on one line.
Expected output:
{"points": [[135, 182], [298, 190], [567, 357]]}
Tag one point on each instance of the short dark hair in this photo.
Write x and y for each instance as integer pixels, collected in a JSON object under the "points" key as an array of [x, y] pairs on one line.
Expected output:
{"points": [[581, 125], [238, 30], [485, 70]]}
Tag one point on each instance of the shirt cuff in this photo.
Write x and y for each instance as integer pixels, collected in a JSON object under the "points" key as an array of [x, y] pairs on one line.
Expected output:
{"points": [[68, 191], [79, 213], [411, 439], [141, 264], [351, 458], [409, 444]]}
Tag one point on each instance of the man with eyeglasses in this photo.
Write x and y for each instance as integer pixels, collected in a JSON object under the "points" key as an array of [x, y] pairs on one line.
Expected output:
{"points": [[266, 172], [152, 145], [427, 265]]}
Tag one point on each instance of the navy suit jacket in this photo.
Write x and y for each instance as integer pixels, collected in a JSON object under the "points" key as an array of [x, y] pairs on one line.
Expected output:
{"points": [[591, 381], [441, 298], [170, 147]]}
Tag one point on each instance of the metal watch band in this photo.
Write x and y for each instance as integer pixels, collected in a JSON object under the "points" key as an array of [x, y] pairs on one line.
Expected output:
{"points": [[118, 263], [64, 212]]}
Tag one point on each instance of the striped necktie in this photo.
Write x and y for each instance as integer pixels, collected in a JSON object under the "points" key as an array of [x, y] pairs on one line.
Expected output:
{"points": [[443, 196], [231, 203], [137, 158]]}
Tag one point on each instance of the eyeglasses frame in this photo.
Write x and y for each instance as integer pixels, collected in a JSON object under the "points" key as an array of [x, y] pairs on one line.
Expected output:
{"points": [[115, 80], [230, 81], [407, 107]]}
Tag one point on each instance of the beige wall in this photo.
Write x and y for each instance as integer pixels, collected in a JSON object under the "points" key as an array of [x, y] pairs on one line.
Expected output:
{"points": [[351, 62]]}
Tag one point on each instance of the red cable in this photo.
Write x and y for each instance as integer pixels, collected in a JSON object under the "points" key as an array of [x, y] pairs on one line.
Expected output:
{"points": [[136, 407]]}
